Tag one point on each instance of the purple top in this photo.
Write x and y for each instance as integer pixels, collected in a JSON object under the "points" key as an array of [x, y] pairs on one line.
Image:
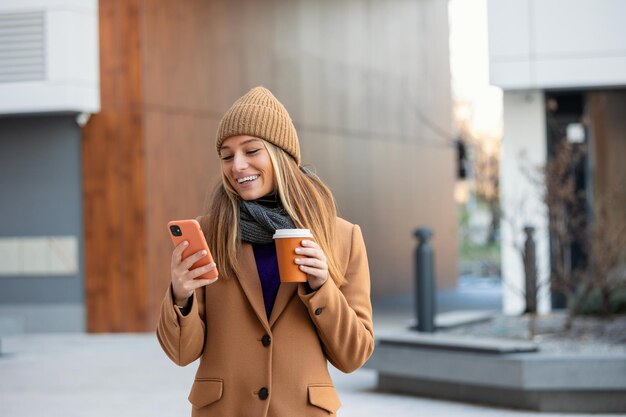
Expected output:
{"points": [[267, 265]]}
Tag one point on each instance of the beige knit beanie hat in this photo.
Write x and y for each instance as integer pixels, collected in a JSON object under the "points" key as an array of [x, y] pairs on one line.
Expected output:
{"points": [[260, 114]]}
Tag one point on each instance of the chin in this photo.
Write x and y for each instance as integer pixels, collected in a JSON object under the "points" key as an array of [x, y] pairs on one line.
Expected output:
{"points": [[254, 194], [250, 196]]}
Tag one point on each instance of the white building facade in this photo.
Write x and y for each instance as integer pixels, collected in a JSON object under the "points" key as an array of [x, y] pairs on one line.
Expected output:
{"points": [[547, 55]]}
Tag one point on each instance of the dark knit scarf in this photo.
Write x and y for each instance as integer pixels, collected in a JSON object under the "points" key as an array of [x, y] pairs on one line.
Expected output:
{"points": [[260, 218]]}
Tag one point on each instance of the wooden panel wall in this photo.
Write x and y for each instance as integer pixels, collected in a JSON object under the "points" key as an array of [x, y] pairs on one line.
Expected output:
{"points": [[606, 112], [113, 180], [366, 83]]}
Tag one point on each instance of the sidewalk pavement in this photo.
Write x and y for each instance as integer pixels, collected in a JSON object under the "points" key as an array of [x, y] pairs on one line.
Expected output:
{"points": [[127, 375]]}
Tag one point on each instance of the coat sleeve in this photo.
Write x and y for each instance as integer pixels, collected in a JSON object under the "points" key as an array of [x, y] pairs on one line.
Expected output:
{"points": [[182, 337], [343, 316]]}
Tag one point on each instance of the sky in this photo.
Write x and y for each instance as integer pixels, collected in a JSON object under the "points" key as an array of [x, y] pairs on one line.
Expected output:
{"points": [[469, 64]]}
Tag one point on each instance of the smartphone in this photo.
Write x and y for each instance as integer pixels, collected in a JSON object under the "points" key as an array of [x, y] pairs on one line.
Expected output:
{"points": [[190, 230]]}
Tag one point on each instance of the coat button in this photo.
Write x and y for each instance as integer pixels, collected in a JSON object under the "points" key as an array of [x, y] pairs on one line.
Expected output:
{"points": [[266, 340], [264, 393], [318, 311]]}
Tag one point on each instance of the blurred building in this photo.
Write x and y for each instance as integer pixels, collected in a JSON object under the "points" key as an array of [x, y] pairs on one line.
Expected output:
{"points": [[49, 84], [366, 83], [562, 66]]}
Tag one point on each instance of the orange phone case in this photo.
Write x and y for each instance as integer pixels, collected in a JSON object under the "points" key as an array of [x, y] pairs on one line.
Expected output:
{"points": [[190, 230]]}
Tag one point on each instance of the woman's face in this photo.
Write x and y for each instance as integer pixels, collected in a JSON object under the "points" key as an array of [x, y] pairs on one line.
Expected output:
{"points": [[247, 166]]}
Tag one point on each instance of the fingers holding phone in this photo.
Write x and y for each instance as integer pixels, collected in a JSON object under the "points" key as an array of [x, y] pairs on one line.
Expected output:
{"points": [[192, 265], [185, 279]]}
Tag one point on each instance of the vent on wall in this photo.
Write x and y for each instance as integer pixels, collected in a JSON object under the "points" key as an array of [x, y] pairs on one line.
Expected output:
{"points": [[49, 57], [22, 47]]}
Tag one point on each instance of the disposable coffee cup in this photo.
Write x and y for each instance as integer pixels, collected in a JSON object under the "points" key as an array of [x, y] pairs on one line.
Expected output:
{"points": [[287, 240]]}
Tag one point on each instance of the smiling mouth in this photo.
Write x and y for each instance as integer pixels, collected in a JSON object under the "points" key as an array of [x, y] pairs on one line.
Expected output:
{"points": [[247, 179]]}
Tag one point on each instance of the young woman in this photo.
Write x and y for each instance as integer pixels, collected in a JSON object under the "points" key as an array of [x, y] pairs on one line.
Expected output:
{"points": [[264, 346]]}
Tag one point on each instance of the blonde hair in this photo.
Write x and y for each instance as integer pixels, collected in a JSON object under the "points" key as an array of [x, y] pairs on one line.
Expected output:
{"points": [[305, 198]]}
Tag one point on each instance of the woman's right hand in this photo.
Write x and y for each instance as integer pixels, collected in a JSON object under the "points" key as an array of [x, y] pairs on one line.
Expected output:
{"points": [[183, 279]]}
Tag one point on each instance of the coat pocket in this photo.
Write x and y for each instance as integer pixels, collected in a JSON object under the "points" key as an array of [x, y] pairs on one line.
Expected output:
{"points": [[324, 397], [206, 391]]}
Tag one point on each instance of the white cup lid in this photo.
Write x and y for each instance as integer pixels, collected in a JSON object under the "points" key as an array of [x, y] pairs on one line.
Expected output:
{"points": [[287, 233]]}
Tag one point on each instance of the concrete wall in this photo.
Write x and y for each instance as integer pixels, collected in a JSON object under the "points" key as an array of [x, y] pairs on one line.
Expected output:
{"points": [[367, 84], [553, 44], [40, 191], [524, 149]]}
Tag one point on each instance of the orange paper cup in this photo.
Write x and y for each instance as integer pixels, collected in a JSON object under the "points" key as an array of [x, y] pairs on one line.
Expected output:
{"points": [[287, 240]]}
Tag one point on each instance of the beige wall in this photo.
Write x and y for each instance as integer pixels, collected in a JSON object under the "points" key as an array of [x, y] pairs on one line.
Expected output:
{"points": [[367, 84]]}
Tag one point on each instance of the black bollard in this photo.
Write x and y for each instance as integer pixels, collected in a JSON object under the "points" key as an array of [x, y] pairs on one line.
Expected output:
{"points": [[530, 271], [425, 282]]}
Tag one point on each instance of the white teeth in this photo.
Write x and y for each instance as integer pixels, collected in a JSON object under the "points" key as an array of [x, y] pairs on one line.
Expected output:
{"points": [[246, 179]]}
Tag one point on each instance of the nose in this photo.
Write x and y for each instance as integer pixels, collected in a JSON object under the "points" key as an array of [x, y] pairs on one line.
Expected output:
{"points": [[239, 162]]}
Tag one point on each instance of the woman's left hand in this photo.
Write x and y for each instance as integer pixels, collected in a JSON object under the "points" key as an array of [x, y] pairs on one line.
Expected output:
{"points": [[314, 265]]}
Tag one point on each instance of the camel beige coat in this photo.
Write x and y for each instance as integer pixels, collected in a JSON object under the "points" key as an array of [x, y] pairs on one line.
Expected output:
{"points": [[251, 366]]}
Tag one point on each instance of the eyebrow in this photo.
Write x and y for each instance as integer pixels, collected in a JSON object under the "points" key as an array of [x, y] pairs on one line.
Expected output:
{"points": [[242, 143]]}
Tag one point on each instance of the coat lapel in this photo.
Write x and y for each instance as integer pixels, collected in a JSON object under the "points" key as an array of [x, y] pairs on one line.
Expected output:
{"points": [[285, 293], [251, 284]]}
